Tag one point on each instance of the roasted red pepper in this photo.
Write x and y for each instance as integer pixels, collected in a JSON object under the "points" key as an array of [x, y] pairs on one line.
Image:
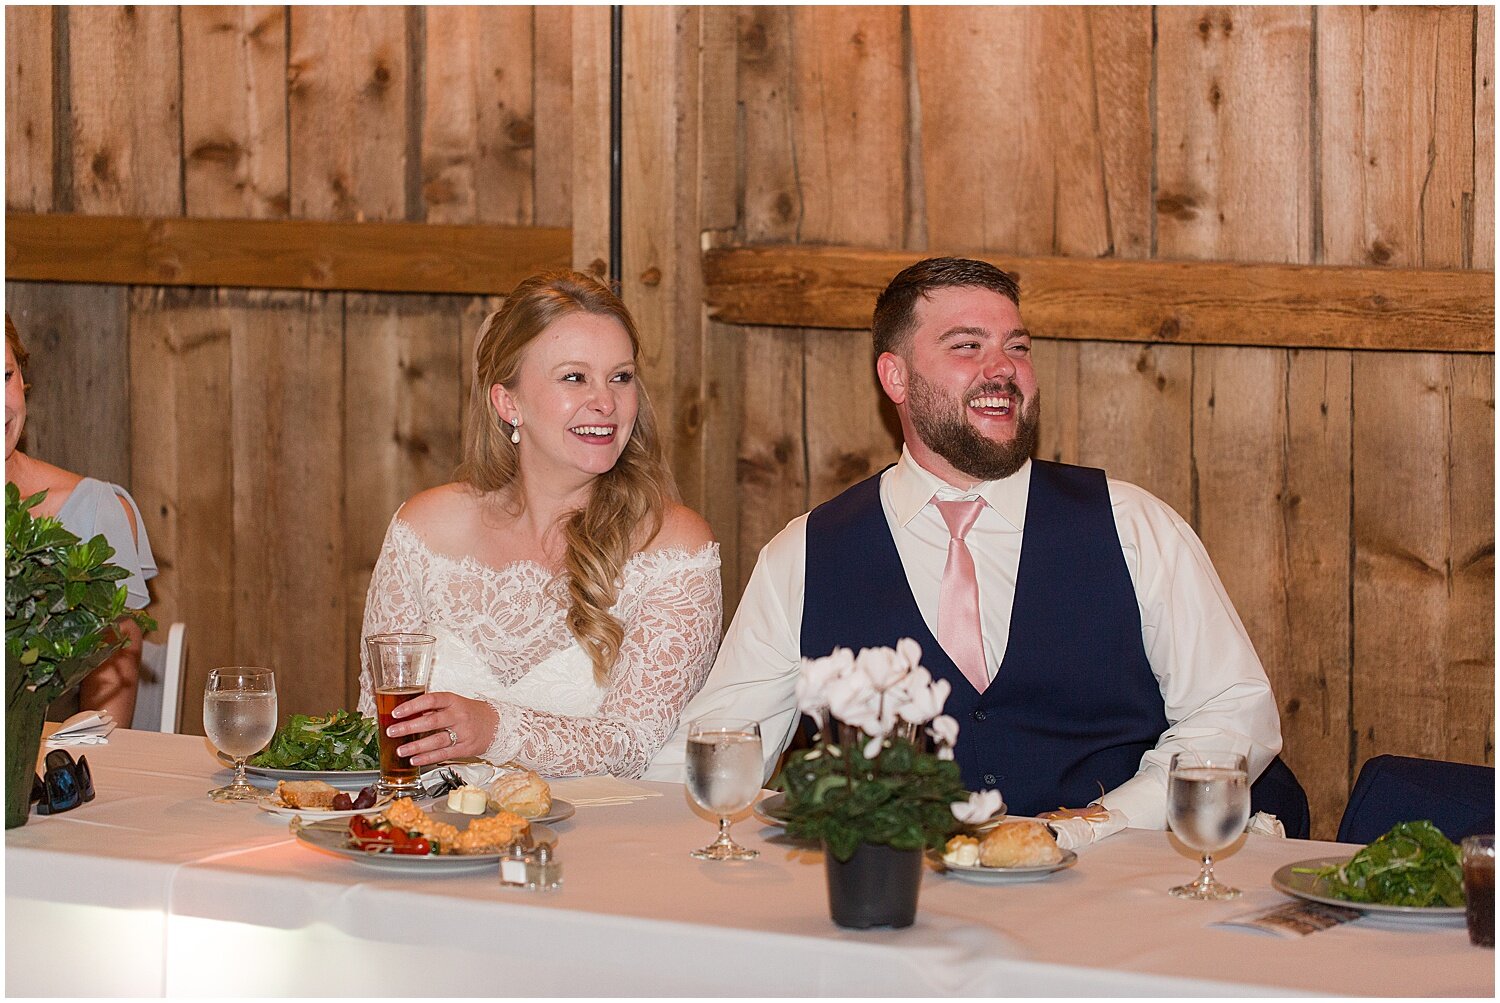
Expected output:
{"points": [[383, 837]]}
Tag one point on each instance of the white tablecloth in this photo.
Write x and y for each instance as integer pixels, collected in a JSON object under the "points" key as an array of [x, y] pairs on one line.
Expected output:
{"points": [[153, 889]]}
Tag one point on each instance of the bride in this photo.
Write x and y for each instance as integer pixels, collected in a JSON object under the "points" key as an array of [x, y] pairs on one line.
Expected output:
{"points": [[576, 604]]}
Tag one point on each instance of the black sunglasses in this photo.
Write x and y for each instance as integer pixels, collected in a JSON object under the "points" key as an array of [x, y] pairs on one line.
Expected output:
{"points": [[64, 785]]}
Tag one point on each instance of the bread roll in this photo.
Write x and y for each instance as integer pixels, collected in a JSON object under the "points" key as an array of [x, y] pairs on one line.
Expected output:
{"points": [[524, 793], [306, 793], [1019, 844]]}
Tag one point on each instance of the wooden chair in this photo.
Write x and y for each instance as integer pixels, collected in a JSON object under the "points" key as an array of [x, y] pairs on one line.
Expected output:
{"points": [[158, 697]]}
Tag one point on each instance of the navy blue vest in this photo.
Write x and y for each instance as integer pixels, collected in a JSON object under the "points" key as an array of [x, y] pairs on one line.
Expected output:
{"points": [[1074, 705]]}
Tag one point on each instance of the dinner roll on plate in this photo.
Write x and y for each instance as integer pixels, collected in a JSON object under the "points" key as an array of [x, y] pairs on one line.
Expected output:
{"points": [[1019, 844], [524, 793]]}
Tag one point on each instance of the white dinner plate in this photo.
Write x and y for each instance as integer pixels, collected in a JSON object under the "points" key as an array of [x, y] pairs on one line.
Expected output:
{"points": [[1314, 888], [332, 836], [770, 810], [269, 803], [1008, 875], [344, 780]]}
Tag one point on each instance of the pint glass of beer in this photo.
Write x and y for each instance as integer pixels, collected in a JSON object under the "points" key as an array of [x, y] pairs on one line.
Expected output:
{"points": [[401, 665]]}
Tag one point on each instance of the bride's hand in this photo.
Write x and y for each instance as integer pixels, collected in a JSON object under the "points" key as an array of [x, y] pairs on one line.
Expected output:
{"points": [[455, 727]]}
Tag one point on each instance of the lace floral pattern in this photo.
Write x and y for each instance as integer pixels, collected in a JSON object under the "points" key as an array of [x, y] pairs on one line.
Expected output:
{"points": [[503, 638]]}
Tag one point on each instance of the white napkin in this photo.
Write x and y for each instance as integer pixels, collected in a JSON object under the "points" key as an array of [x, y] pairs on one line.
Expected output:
{"points": [[602, 790], [1266, 825], [1072, 833], [88, 727]]}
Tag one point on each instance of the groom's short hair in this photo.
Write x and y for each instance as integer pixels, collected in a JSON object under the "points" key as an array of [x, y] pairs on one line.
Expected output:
{"points": [[895, 309]]}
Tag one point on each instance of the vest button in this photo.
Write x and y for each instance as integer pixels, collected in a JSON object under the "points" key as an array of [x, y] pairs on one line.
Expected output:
{"points": [[979, 715], [989, 778]]}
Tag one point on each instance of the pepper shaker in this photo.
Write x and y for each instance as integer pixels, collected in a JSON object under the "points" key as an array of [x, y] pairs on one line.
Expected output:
{"points": [[542, 872]]}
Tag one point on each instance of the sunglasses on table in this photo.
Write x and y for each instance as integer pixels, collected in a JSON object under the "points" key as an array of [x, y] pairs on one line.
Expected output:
{"points": [[63, 785]]}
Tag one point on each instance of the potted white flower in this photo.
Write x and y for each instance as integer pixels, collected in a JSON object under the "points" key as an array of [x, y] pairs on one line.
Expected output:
{"points": [[879, 785]]}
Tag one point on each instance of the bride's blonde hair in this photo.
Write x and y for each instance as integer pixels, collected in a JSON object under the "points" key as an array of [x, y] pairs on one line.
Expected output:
{"points": [[628, 502]]}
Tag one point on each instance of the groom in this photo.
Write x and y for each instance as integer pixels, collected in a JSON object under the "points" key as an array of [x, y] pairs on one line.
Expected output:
{"points": [[1078, 619]]}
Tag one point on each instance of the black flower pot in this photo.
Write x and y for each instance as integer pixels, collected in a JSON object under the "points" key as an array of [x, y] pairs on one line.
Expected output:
{"points": [[876, 887]]}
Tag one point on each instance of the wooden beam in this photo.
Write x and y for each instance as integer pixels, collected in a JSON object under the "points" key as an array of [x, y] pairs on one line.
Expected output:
{"points": [[1092, 299], [279, 254]]}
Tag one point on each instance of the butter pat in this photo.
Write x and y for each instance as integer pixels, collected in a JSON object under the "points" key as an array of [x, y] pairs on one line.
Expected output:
{"points": [[468, 800], [962, 851]]}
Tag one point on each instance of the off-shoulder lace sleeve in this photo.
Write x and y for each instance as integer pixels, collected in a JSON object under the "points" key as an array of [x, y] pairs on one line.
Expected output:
{"points": [[392, 604], [671, 604]]}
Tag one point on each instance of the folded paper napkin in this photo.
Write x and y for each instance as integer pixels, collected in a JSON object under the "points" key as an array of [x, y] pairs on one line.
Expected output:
{"points": [[602, 790], [88, 727], [1266, 825], [1073, 833]]}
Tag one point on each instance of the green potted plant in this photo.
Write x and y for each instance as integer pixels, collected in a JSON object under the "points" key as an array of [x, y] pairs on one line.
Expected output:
{"points": [[870, 788], [60, 602]]}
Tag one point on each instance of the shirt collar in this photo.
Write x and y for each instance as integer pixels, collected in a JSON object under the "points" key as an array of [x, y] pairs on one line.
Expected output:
{"points": [[911, 486]]}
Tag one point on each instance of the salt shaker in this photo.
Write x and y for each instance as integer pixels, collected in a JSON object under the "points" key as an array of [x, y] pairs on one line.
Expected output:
{"points": [[542, 872], [514, 866]]}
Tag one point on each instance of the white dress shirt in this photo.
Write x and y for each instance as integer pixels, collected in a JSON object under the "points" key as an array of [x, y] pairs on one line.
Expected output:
{"points": [[1215, 692]]}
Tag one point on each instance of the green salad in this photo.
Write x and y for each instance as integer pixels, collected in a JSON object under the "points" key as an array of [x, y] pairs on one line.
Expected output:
{"points": [[1414, 865], [343, 740]]}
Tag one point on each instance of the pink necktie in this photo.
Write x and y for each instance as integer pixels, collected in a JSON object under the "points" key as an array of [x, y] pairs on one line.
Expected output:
{"points": [[958, 604]]}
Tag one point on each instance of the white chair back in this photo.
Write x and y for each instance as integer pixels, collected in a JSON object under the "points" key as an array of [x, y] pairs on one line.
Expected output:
{"points": [[158, 696]]}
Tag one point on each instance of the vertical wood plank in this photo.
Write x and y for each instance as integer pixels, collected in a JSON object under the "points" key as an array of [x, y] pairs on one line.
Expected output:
{"points": [[478, 127], [1482, 223], [234, 120], [184, 474], [78, 404], [126, 102], [1232, 131], [402, 377], [659, 221], [850, 125], [347, 105], [590, 185], [1396, 99], [552, 89], [770, 459], [286, 360], [28, 109], [1137, 404], [1039, 59]]}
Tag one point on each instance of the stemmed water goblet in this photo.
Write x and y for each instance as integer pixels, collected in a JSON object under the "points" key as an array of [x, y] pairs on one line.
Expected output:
{"points": [[724, 769], [1208, 804], [239, 717]]}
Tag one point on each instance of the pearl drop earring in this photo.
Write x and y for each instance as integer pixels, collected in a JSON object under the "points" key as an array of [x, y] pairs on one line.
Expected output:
{"points": [[515, 433]]}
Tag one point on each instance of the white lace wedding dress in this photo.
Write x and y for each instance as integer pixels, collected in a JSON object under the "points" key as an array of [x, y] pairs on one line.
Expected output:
{"points": [[502, 637]]}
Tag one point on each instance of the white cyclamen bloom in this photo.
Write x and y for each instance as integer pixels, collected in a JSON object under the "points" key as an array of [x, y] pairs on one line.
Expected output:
{"points": [[910, 652], [854, 701], [872, 747], [979, 808], [944, 731], [883, 667], [815, 677], [924, 699]]}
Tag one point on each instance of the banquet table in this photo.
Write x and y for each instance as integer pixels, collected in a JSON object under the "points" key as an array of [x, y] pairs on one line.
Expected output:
{"points": [[153, 889]]}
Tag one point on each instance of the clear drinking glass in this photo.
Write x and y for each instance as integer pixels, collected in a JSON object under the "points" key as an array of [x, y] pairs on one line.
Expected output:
{"points": [[239, 717], [724, 767], [401, 665], [1208, 804]]}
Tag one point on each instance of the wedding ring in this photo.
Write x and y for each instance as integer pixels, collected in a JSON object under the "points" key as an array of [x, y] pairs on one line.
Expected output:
{"points": [[452, 737]]}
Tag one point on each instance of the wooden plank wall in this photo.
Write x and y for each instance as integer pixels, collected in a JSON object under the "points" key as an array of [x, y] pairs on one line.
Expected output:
{"points": [[269, 436], [1347, 496]]}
